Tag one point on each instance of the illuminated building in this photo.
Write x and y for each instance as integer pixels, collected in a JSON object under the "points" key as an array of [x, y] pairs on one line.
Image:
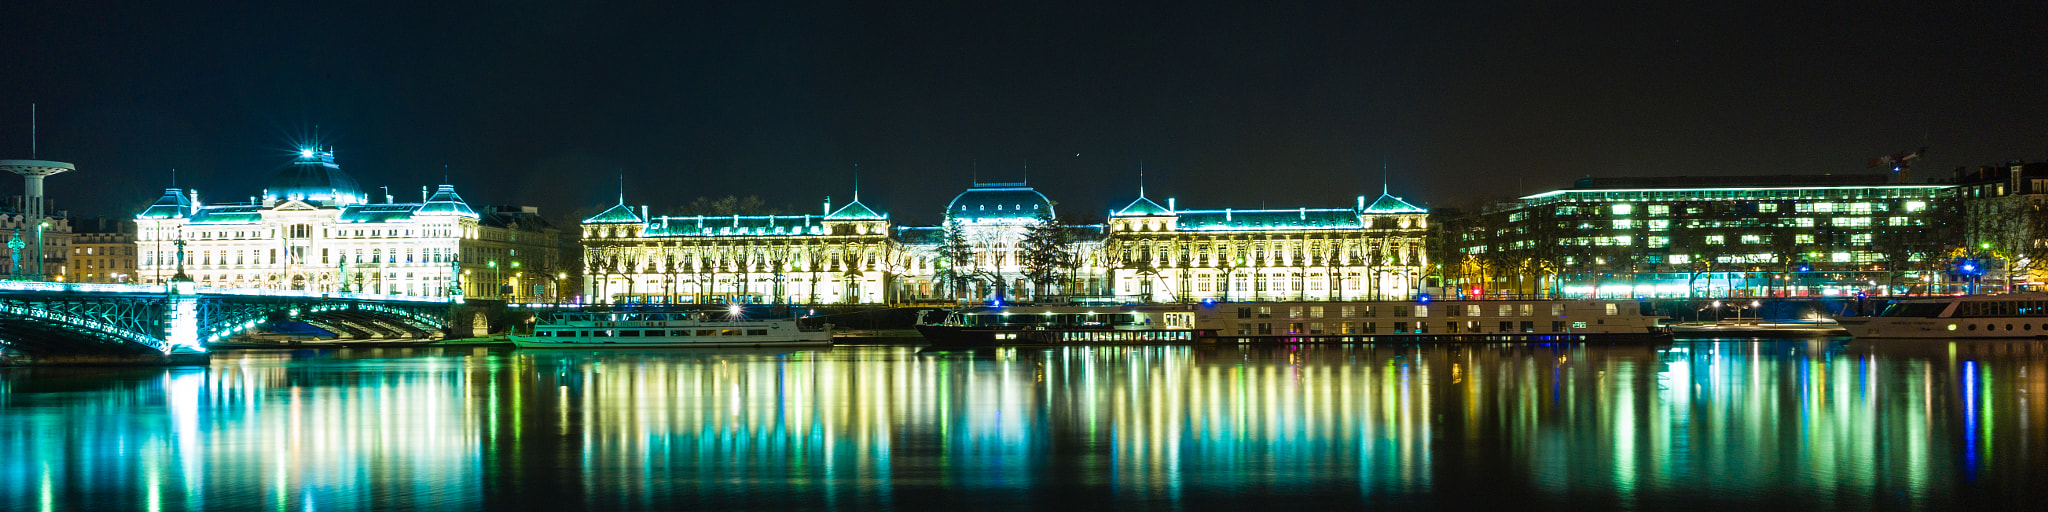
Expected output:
{"points": [[838, 256], [1146, 252], [315, 229], [102, 252], [1367, 252], [57, 237], [2005, 226], [1703, 236]]}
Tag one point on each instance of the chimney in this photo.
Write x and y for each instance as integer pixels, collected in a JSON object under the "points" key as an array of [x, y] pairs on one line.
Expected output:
{"points": [[423, 194], [1226, 215], [643, 212], [1170, 206], [828, 206], [195, 201], [1361, 203]]}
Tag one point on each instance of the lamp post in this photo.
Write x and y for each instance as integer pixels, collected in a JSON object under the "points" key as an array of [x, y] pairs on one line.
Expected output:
{"points": [[560, 277], [496, 292]]}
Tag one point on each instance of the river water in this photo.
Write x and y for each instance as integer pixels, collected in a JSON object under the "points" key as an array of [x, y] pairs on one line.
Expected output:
{"points": [[1807, 424]]}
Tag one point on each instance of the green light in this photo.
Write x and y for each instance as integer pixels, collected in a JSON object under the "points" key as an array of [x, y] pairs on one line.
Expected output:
{"points": [[492, 263]]}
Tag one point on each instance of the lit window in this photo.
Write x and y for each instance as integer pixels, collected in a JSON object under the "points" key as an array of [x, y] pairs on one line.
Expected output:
{"points": [[1624, 209], [1840, 257], [1914, 206], [1659, 209], [1716, 239], [1767, 208]]}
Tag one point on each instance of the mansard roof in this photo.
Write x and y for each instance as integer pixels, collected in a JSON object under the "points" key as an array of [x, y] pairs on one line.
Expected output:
{"points": [[620, 214], [172, 205], [1267, 220], [228, 214], [445, 202], [1007, 203], [1142, 207], [856, 211], [736, 225], [365, 213], [1387, 203]]}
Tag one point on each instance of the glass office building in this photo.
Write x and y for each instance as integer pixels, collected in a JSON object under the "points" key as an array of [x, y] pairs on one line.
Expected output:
{"points": [[1755, 236]]}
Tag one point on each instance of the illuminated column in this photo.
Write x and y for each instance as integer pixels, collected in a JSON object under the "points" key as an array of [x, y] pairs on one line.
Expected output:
{"points": [[32, 173]]}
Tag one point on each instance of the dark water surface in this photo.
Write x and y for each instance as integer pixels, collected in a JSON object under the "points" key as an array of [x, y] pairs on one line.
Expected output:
{"points": [[1807, 424]]}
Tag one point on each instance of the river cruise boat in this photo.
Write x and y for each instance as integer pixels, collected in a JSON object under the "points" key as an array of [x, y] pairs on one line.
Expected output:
{"points": [[1295, 322], [664, 330], [1957, 317]]}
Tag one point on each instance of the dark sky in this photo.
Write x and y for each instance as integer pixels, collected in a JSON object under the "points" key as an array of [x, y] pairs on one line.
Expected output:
{"points": [[542, 102]]}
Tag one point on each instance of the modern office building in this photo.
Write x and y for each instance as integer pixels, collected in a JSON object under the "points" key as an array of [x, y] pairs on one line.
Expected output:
{"points": [[1705, 236], [315, 229]]}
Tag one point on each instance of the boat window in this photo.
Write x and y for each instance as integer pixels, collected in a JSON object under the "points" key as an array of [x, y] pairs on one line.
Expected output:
{"points": [[1914, 309], [629, 333], [656, 332], [544, 334], [707, 332], [757, 332], [601, 334], [728, 332], [679, 332]]}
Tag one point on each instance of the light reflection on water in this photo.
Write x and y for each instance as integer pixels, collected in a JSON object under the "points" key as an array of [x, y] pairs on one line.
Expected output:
{"points": [[1690, 425]]}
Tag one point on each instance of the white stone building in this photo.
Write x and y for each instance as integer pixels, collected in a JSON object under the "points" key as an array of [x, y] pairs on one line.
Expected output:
{"points": [[315, 229]]}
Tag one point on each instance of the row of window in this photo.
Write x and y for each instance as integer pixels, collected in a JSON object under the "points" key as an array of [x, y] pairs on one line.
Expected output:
{"points": [[647, 333], [1402, 311], [1450, 327]]}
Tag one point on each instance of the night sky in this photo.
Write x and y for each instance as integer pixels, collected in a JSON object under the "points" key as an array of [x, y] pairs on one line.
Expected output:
{"points": [[543, 103]]}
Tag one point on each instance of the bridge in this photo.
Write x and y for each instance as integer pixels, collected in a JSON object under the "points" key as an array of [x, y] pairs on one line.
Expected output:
{"points": [[54, 319]]}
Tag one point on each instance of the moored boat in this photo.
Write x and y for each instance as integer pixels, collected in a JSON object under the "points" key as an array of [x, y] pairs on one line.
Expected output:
{"points": [[1296, 322], [666, 330], [1957, 317]]}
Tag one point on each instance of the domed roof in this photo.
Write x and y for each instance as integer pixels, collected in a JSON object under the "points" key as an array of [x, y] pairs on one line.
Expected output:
{"points": [[999, 203], [315, 179]]}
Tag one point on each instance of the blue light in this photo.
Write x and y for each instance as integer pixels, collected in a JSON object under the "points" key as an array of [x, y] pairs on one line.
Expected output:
{"points": [[1205, 302], [305, 153], [1422, 298]]}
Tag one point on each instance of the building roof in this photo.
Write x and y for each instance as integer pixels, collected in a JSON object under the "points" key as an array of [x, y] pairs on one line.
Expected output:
{"points": [[228, 214], [1387, 203], [736, 225], [445, 202], [620, 214], [365, 213], [315, 179], [1142, 207], [172, 205], [1000, 203], [1782, 180], [1266, 220], [856, 211]]}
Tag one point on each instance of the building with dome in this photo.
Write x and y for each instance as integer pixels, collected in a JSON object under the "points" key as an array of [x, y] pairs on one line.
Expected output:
{"points": [[1146, 252], [315, 228]]}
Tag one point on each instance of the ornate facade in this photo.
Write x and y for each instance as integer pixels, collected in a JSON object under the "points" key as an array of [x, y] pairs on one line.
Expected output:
{"points": [[315, 229], [1145, 252]]}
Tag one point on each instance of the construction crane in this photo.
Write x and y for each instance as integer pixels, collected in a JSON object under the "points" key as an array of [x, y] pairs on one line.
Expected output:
{"points": [[1901, 163]]}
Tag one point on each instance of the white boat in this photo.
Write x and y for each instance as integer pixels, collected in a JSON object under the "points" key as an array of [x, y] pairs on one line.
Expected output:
{"points": [[1297, 322], [666, 330], [1958, 317]]}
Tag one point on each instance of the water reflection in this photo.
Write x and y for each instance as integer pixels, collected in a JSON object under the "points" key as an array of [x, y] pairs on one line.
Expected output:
{"points": [[1691, 425]]}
